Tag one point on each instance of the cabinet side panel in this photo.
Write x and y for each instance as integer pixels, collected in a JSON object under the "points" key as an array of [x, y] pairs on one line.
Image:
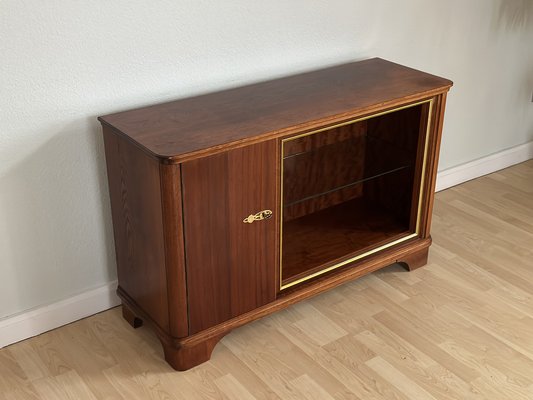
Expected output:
{"points": [[231, 265], [433, 161], [134, 188]]}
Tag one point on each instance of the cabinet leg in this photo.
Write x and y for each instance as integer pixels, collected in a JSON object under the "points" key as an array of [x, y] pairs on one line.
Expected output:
{"points": [[187, 356], [415, 260], [130, 317]]}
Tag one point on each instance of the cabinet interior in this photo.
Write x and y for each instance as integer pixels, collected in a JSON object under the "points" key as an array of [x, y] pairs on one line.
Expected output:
{"points": [[349, 189]]}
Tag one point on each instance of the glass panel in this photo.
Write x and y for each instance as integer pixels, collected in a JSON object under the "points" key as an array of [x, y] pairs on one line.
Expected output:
{"points": [[349, 189]]}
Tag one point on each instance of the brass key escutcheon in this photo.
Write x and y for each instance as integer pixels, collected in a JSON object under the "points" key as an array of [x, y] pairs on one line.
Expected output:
{"points": [[265, 214]]}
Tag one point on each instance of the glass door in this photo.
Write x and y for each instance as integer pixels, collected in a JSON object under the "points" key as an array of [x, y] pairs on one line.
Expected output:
{"points": [[351, 190]]}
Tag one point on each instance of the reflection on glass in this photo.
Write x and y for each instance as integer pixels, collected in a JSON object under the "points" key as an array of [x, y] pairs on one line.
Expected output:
{"points": [[349, 189]]}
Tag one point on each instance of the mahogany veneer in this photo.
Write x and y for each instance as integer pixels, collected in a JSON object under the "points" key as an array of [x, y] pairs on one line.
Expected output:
{"points": [[229, 206]]}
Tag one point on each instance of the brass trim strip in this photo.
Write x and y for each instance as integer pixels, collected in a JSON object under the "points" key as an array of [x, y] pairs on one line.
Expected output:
{"points": [[353, 121], [370, 252], [377, 249]]}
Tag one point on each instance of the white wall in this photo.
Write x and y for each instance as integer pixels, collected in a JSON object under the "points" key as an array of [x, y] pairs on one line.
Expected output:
{"points": [[62, 63]]}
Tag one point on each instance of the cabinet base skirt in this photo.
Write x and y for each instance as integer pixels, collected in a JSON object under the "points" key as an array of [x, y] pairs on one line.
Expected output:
{"points": [[414, 260], [184, 357], [187, 352]]}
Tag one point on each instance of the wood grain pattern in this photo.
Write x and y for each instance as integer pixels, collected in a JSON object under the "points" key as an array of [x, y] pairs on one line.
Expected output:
{"points": [[192, 127], [315, 141], [460, 328], [190, 266], [134, 189], [394, 141], [322, 163], [174, 249], [324, 238], [230, 264], [382, 159]]}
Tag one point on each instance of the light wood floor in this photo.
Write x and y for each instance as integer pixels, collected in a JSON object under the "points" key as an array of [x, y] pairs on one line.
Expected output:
{"points": [[459, 328]]}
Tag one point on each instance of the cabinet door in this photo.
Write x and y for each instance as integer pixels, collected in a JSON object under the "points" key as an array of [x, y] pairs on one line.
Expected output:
{"points": [[231, 265]]}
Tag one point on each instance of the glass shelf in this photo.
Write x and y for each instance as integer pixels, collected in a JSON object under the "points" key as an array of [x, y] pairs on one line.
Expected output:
{"points": [[318, 240], [348, 185]]}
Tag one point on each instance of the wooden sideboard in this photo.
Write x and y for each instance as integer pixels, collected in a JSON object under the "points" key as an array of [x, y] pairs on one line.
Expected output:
{"points": [[232, 205]]}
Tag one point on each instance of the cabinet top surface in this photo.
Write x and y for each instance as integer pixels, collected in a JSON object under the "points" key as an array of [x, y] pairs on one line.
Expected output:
{"points": [[191, 127]]}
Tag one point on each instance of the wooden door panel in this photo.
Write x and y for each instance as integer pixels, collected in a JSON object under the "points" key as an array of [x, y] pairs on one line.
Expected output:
{"points": [[230, 264]]}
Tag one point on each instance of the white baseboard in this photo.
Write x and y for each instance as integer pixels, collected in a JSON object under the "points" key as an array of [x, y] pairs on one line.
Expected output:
{"points": [[483, 166], [34, 322], [31, 323]]}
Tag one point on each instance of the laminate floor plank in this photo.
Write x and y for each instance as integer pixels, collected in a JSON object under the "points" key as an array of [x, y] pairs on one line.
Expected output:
{"points": [[459, 328], [415, 365], [430, 347]]}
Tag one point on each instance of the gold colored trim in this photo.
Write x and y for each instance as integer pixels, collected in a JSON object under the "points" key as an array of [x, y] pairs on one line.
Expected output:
{"points": [[370, 252], [353, 121], [377, 249]]}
